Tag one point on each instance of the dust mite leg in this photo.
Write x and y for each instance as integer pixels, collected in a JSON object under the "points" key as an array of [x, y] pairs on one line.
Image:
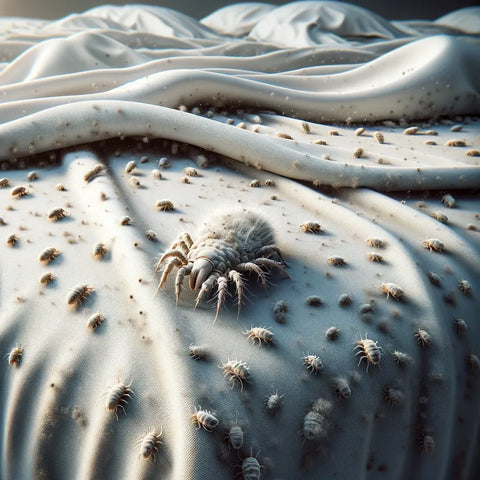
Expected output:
{"points": [[182, 271], [183, 241], [187, 239], [252, 267], [222, 291], [237, 279], [268, 262], [172, 253], [173, 262], [268, 250], [207, 285], [183, 247]]}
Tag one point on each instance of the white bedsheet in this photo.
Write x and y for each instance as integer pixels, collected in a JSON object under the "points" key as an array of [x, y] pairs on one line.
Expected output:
{"points": [[251, 95]]}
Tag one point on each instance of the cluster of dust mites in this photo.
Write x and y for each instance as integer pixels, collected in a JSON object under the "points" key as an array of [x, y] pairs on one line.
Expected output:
{"points": [[152, 440]]}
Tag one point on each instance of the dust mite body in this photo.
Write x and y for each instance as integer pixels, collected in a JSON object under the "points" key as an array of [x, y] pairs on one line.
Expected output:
{"points": [[229, 244]]}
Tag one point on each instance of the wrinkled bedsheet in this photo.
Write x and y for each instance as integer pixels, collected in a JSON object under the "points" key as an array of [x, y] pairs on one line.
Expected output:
{"points": [[353, 128]]}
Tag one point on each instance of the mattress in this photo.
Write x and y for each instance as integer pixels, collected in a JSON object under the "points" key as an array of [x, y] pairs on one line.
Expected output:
{"points": [[246, 246]]}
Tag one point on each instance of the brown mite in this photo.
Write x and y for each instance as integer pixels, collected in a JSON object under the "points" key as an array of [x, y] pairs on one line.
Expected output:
{"points": [[49, 254], [78, 294]]}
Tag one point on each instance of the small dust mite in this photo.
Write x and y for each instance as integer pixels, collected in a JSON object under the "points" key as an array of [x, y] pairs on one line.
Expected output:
{"points": [[91, 174], [236, 371], [165, 205], [392, 290], [11, 240], [423, 337], [314, 425], [95, 320], [341, 388], [336, 261], [149, 444], [235, 435], [57, 214], [375, 257], [130, 167], [313, 363], [251, 469], [19, 192], [47, 278], [198, 352], [310, 227], [117, 397], [99, 250], [401, 359], [48, 255], [260, 334], [124, 221], [368, 350], [78, 294], [205, 419], [273, 403], [15, 356], [434, 245], [374, 242]]}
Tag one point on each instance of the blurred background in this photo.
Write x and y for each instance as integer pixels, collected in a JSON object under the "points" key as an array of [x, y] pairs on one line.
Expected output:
{"points": [[392, 10]]}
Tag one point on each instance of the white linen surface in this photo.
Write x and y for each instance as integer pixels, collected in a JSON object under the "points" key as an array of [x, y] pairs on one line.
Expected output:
{"points": [[252, 95]]}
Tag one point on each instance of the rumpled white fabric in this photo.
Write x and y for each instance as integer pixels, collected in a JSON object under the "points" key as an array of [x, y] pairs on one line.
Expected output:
{"points": [[252, 92], [154, 56]]}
